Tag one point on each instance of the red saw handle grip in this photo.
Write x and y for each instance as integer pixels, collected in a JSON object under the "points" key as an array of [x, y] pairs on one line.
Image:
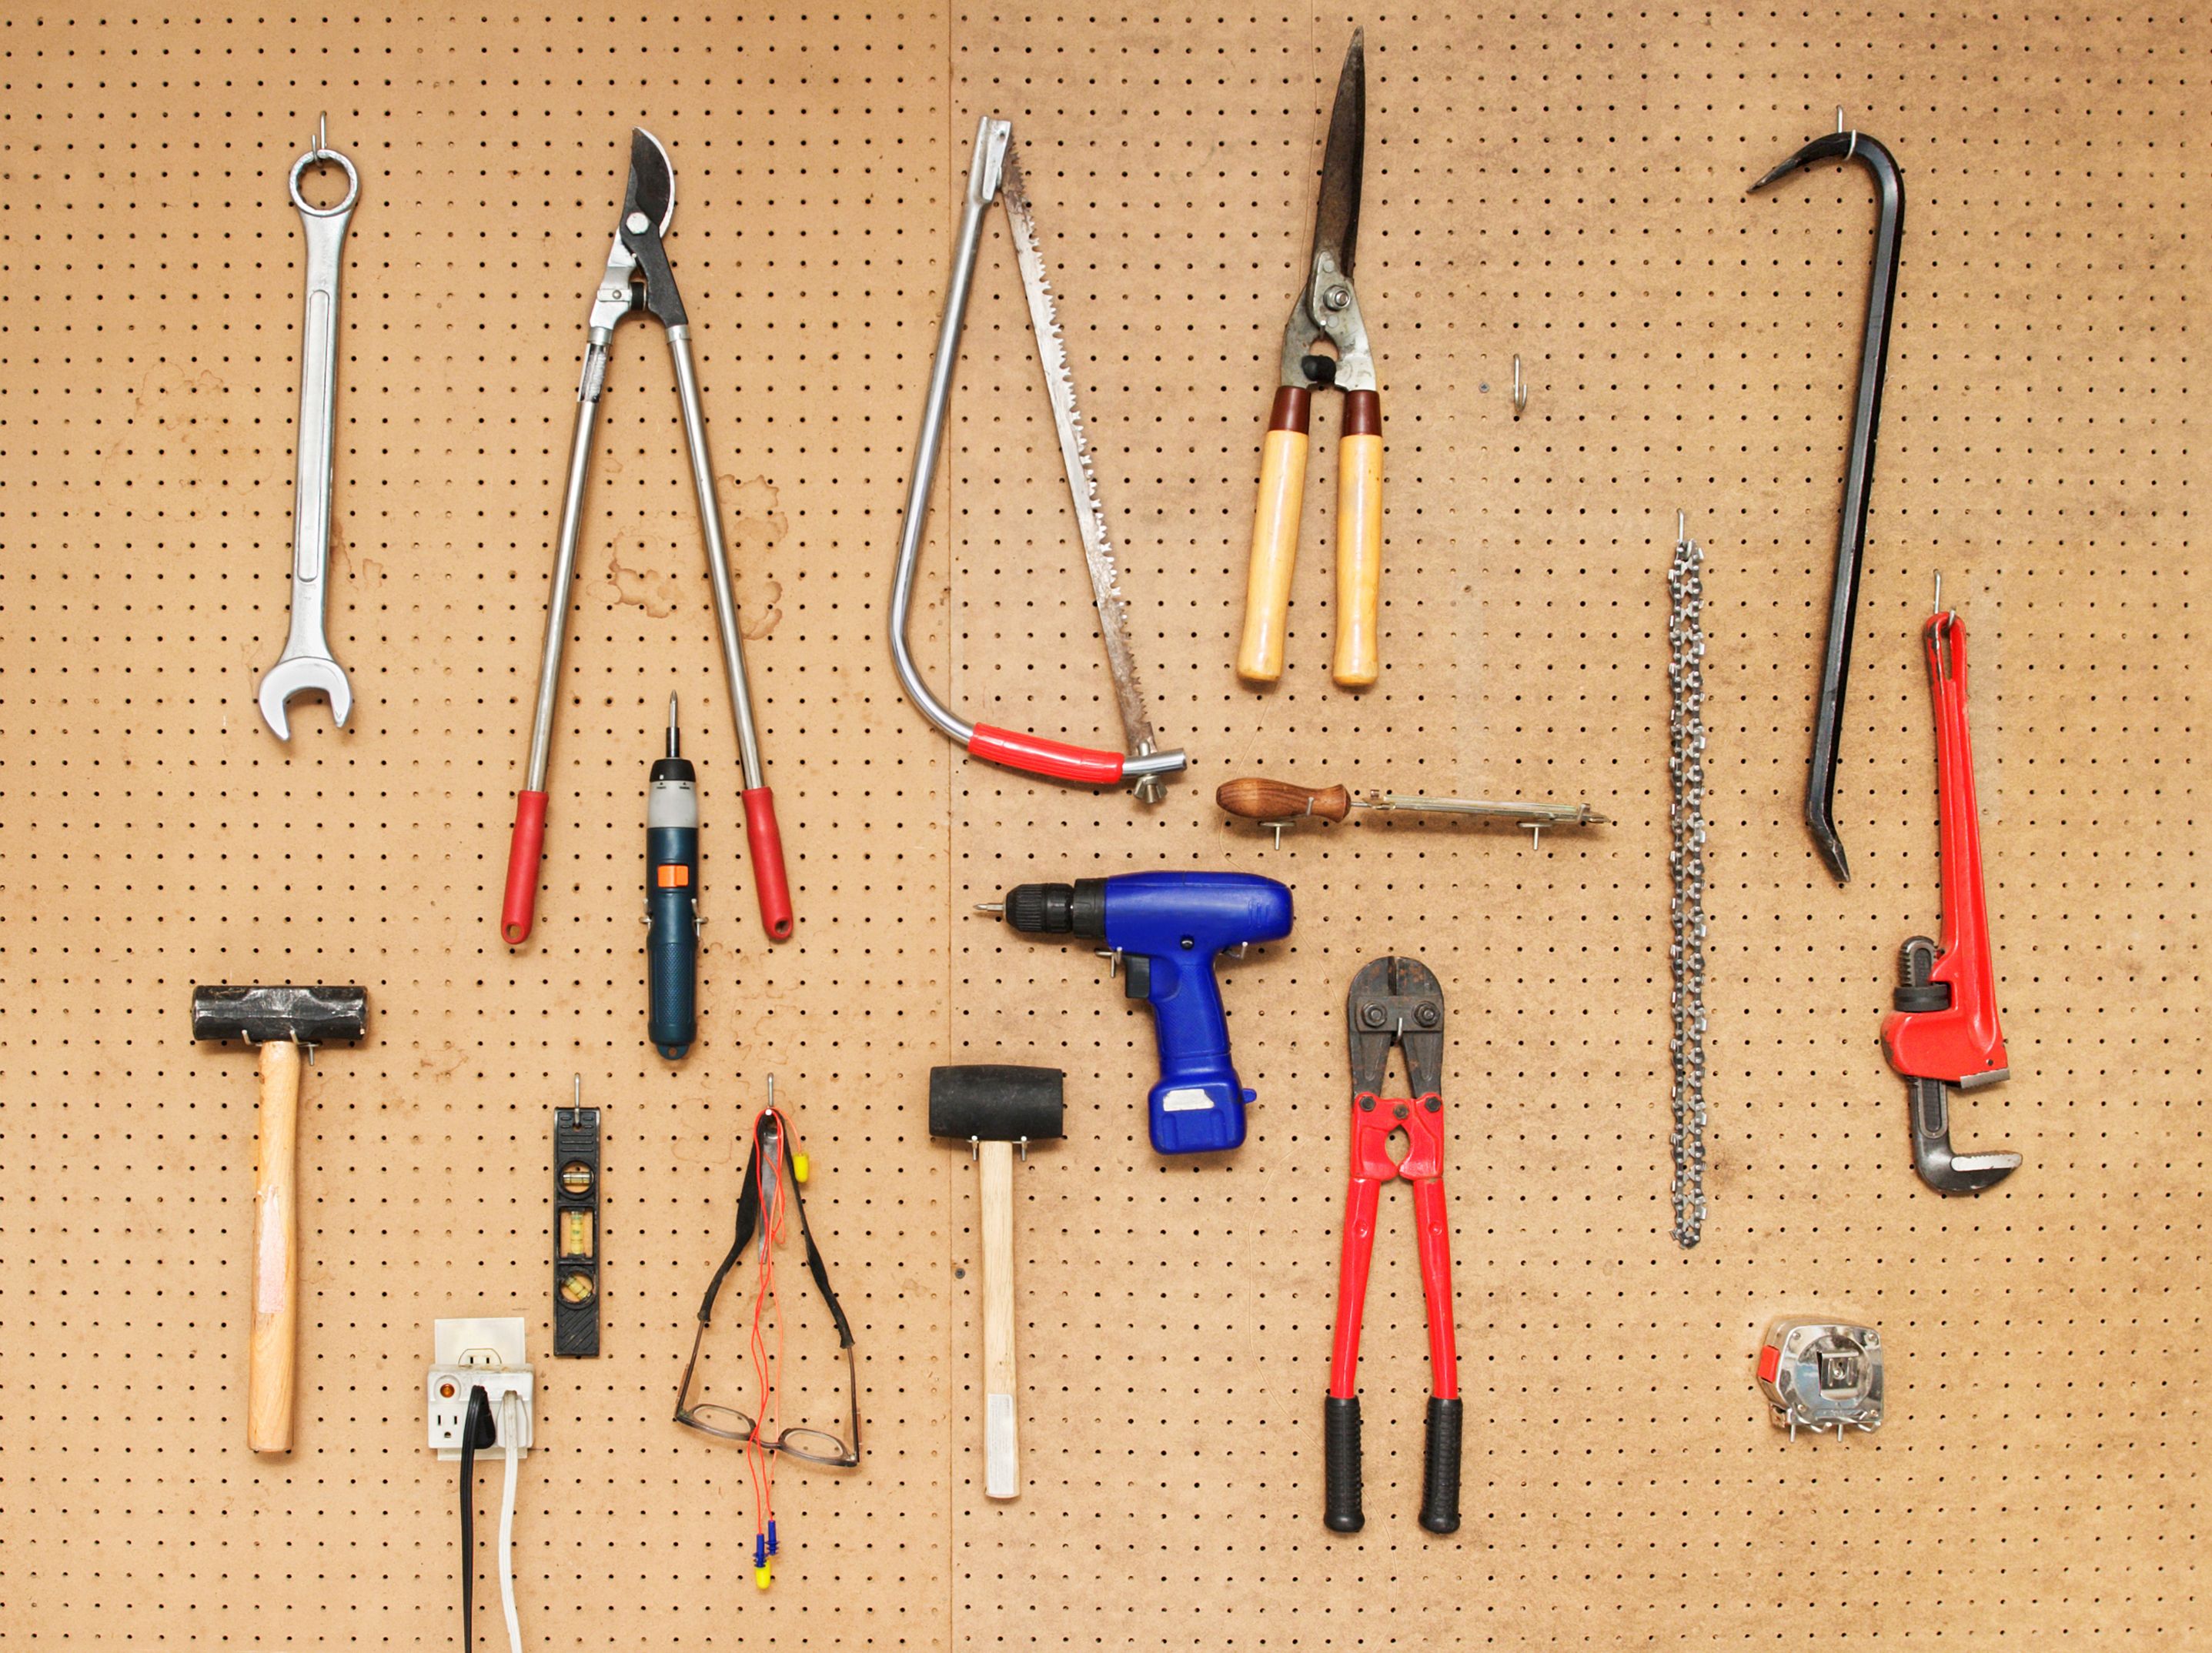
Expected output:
{"points": [[770, 883], [520, 910], [1038, 756]]}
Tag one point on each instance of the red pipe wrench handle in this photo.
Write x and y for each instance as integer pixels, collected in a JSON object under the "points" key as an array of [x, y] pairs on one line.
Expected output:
{"points": [[1958, 1041]]}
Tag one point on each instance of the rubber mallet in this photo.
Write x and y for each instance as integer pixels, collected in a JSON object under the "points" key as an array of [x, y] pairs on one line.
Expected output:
{"points": [[992, 1108], [282, 1022]]}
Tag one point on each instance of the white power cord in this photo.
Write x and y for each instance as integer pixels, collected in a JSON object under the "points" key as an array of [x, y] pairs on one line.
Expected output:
{"points": [[510, 1419]]}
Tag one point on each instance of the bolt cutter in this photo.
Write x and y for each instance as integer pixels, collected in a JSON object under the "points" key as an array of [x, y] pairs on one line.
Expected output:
{"points": [[1395, 1001]]}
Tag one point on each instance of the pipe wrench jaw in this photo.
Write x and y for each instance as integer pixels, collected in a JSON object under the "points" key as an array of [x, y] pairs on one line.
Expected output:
{"points": [[1926, 1028]]}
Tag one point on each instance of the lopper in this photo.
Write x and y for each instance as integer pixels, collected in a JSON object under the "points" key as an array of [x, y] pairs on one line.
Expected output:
{"points": [[1325, 311], [1395, 1001], [1858, 470], [1944, 1031], [638, 278]]}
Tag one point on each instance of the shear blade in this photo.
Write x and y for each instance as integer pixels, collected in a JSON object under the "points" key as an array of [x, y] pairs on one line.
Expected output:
{"points": [[652, 180], [1336, 218]]}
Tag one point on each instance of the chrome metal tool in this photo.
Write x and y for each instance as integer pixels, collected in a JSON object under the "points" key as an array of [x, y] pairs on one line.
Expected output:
{"points": [[993, 174], [306, 665]]}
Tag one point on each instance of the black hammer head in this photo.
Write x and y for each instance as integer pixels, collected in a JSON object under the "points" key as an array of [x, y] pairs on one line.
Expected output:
{"points": [[293, 1015], [996, 1103]]}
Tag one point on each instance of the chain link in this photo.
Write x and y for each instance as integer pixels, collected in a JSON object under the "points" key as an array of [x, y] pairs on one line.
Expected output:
{"points": [[1686, 861]]}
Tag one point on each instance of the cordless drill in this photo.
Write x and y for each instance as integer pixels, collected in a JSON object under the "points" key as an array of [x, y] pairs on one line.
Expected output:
{"points": [[1165, 928]]}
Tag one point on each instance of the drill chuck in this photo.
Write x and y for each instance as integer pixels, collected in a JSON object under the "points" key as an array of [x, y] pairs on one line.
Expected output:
{"points": [[1077, 908]]}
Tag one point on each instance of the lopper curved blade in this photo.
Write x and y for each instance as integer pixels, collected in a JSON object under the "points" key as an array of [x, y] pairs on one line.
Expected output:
{"points": [[652, 180]]}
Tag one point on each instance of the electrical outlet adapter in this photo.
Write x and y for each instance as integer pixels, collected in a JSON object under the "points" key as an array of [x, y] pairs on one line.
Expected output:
{"points": [[473, 1354]]}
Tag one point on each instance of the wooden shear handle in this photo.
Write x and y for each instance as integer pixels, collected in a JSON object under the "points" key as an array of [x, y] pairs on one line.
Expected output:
{"points": [[1275, 535], [1358, 540]]}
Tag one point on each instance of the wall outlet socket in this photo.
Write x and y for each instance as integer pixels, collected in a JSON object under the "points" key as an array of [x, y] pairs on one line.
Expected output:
{"points": [[486, 1354]]}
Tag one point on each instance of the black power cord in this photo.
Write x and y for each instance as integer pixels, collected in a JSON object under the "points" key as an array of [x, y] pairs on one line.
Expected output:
{"points": [[478, 1430]]}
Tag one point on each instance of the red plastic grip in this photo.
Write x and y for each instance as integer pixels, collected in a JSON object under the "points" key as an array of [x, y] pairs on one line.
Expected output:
{"points": [[770, 882], [1039, 756], [520, 910]]}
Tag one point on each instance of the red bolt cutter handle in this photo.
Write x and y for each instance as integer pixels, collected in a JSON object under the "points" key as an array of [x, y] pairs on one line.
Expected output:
{"points": [[1961, 1044], [1373, 1120]]}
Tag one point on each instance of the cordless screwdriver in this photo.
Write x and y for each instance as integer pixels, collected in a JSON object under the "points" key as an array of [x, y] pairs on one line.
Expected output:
{"points": [[671, 899], [1166, 929]]}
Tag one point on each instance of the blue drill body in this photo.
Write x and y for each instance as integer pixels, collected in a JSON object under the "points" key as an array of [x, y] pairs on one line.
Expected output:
{"points": [[1168, 927]]}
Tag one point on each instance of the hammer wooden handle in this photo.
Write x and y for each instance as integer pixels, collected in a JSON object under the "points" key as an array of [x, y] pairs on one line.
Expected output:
{"points": [[1275, 535], [1002, 1474], [1255, 799], [1358, 540], [276, 1251]]}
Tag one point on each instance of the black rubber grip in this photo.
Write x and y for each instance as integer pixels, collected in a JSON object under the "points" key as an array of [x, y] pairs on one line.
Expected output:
{"points": [[1342, 1418], [1440, 1485]]}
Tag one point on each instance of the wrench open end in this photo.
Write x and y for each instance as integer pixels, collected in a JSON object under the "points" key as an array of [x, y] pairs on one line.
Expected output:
{"points": [[303, 675]]}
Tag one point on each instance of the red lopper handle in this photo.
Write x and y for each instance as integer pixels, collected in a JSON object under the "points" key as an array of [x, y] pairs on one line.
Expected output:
{"points": [[770, 882], [1040, 756], [520, 909]]}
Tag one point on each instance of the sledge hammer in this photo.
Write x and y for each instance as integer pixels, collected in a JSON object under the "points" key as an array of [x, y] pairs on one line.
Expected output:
{"points": [[282, 1022], [991, 1109]]}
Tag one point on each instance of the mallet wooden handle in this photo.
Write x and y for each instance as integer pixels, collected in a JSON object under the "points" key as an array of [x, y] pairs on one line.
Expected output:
{"points": [[276, 1251], [1255, 799], [1358, 540], [1275, 535], [1002, 1474]]}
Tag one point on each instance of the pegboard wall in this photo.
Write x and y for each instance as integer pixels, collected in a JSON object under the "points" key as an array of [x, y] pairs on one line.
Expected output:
{"points": [[1566, 184]]}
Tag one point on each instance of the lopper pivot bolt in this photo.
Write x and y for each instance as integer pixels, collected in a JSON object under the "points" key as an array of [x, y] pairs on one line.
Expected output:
{"points": [[1944, 1031], [1395, 1001]]}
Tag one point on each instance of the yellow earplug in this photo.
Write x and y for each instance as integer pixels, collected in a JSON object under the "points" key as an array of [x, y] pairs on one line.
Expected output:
{"points": [[798, 1166]]}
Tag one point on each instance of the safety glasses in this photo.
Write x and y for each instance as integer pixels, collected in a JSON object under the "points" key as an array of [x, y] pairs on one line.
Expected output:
{"points": [[728, 1424]]}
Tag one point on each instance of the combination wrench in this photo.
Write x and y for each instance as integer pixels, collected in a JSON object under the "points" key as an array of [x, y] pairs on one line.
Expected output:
{"points": [[306, 665]]}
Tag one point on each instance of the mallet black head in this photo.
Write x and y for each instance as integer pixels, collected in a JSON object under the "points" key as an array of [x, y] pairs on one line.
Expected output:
{"points": [[992, 1102]]}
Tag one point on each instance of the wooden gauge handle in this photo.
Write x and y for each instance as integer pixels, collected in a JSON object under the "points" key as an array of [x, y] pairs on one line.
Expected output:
{"points": [[1255, 799], [1002, 1474], [1358, 540], [276, 1252], [1275, 535]]}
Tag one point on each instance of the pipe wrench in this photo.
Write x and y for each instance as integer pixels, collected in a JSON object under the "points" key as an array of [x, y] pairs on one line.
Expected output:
{"points": [[638, 278], [1944, 1029], [305, 664]]}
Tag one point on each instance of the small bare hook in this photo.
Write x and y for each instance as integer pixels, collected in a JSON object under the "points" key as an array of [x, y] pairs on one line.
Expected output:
{"points": [[1520, 390], [1939, 591]]}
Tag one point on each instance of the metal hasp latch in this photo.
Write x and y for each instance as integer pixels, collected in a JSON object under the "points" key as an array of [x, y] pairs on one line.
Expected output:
{"points": [[995, 174], [1944, 1029], [1858, 470], [1822, 1374]]}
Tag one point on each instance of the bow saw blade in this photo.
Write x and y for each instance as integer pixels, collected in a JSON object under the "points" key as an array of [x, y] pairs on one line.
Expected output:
{"points": [[1075, 457]]}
